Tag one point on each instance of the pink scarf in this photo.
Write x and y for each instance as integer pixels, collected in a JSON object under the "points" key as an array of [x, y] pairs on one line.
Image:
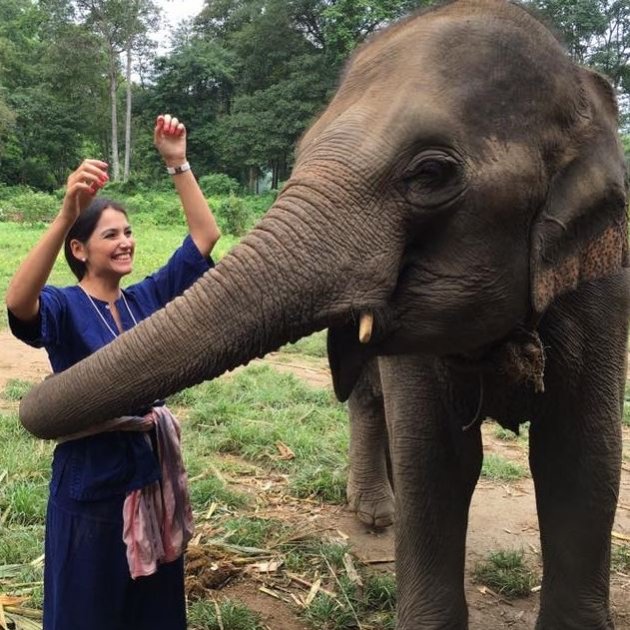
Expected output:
{"points": [[157, 519]]}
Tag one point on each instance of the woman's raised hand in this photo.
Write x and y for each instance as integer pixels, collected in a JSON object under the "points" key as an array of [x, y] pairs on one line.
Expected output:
{"points": [[82, 186], [169, 137]]}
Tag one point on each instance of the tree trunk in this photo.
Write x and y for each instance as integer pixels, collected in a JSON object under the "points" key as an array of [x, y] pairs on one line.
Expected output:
{"points": [[253, 179], [128, 116], [113, 85]]}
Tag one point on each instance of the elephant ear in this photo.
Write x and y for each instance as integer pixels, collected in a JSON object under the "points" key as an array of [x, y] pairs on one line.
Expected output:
{"points": [[582, 232], [346, 357]]}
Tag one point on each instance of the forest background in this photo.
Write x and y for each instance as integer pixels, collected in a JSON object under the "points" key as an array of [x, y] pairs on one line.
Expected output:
{"points": [[83, 78]]}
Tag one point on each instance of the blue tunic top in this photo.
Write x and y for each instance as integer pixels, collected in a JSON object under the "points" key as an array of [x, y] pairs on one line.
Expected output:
{"points": [[107, 465]]}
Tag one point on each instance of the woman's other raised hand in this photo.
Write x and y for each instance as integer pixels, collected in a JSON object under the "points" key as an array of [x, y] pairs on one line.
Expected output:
{"points": [[169, 137], [82, 186]]}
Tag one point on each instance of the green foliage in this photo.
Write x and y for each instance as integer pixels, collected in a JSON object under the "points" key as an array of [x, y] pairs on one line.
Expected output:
{"points": [[596, 34], [8, 192], [160, 209], [233, 215], [218, 184], [29, 207], [262, 69], [346, 23], [507, 573], [259, 204]]}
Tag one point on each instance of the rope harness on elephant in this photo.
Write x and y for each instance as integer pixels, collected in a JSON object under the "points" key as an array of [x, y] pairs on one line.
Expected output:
{"points": [[520, 359]]}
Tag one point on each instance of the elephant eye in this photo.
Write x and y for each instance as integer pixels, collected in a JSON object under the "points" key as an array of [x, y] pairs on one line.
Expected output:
{"points": [[431, 172], [432, 180]]}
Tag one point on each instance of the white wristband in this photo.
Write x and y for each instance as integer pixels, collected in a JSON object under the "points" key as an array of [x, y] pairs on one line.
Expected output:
{"points": [[176, 170]]}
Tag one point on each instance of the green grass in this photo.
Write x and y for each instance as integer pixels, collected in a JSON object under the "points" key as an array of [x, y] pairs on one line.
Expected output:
{"points": [[312, 346], [24, 471], [507, 573], [307, 552], [507, 435], [251, 531], [498, 468], [23, 493], [504, 435], [371, 607], [620, 558], [626, 408], [380, 592], [202, 615], [209, 489], [252, 412], [15, 389]]}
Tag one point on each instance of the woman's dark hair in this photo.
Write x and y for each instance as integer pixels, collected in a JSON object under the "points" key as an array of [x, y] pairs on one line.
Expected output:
{"points": [[83, 228]]}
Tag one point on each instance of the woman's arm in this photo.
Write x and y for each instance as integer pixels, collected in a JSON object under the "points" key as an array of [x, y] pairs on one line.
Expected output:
{"points": [[22, 297], [170, 140]]}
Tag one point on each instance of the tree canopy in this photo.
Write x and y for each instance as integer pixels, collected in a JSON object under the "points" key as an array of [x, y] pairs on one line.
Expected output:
{"points": [[247, 77]]}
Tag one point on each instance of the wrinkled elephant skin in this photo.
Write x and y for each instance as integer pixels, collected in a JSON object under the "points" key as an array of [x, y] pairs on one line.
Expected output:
{"points": [[465, 187]]}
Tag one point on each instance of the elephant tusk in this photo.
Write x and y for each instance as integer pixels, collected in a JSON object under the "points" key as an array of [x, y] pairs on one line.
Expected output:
{"points": [[365, 327]]}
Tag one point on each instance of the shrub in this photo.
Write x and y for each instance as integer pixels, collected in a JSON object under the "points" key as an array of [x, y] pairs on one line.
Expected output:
{"points": [[130, 187], [233, 215], [156, 208], [29, 207], [8, 192], [218, 184], [259, 204]]}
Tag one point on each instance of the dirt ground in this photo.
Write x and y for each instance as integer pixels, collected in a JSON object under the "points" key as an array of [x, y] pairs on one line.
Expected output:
{"points": [[502, 516]]}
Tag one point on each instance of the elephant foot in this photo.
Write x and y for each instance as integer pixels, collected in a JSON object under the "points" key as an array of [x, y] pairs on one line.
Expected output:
{"points": [[569, 623], [373, 506]]}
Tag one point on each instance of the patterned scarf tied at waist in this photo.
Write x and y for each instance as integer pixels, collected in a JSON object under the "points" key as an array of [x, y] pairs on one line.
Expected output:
{"points": [[157, 519]]}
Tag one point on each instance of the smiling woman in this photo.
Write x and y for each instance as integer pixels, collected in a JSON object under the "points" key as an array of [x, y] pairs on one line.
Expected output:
{"points": [[107, 486]]}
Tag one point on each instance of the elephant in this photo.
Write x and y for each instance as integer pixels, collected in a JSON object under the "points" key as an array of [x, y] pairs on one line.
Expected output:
{"points": [[457, 215]]}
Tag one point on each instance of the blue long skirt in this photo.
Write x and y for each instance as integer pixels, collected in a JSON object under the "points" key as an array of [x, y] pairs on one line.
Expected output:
{"points": [[87, 585]]}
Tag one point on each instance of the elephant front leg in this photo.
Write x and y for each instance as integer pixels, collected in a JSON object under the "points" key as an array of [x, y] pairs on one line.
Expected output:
{"points": [[434, 478], [576, 474], [575, 459], [369, 490]]}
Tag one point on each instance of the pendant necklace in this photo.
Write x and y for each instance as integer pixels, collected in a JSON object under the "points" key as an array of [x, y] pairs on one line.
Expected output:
{"points": [[111, 330]]}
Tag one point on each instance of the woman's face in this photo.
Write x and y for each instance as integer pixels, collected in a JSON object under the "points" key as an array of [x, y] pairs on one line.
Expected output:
{"points": [[109, 250]]}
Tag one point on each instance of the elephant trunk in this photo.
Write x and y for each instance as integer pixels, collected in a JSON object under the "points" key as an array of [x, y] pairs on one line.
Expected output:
{"points": [[287, 278]]}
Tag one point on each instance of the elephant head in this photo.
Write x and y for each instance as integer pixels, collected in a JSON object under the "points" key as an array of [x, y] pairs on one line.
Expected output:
{"points": [[465, 174]]}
